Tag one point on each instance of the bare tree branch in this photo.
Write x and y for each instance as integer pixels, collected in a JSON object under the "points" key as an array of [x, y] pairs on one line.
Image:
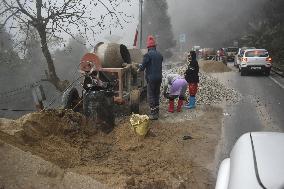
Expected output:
{"points": [[57, 17]]}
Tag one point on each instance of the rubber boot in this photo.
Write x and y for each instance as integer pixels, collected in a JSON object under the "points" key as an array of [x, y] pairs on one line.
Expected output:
{"points": [[191, 103], [180, 103], [171, 106]]}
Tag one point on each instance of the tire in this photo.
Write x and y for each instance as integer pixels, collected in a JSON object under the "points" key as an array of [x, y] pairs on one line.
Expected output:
{"points": [[243, 72], [70, 98]]}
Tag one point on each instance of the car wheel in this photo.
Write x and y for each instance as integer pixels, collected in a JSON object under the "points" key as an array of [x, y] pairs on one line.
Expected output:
{"points": [[243, 73]]}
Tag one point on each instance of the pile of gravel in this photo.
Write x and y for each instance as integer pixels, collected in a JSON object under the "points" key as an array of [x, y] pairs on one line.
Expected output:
{"points": [[210, 91]]}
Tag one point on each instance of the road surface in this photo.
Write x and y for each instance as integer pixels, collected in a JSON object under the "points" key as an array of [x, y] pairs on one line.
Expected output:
{"points": [[261, 108]]}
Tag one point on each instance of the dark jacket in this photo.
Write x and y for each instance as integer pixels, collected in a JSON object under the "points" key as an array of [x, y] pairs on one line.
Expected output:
{"points": [[152, 62], [191, 74]]}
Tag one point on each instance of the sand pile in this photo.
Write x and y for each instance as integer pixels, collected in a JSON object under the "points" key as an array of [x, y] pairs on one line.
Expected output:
{"points": [[51, 122], [121, 159], [210, 66]]}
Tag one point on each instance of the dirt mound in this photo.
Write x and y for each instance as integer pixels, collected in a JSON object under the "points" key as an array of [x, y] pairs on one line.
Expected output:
{"points": [[121, 159], [213, 67], [10, 126], [51, 122]]}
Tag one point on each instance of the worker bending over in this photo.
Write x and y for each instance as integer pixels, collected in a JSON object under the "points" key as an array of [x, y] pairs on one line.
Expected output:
{"points": [[175, 88]]}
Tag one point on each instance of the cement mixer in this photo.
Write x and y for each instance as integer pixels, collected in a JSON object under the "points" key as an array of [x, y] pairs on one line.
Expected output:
{"points": [[110, 77], [112, 55]]}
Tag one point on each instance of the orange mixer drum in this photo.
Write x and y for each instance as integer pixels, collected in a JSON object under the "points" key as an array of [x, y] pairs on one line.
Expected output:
{"points": [[90, 61]]}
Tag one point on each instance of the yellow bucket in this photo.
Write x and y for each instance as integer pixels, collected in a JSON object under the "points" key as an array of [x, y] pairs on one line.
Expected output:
{"points": [[140, 124]]}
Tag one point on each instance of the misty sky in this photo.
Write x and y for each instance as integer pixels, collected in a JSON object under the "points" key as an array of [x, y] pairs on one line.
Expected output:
{"points": [[204, 21], [126, 33], [200, 20]]}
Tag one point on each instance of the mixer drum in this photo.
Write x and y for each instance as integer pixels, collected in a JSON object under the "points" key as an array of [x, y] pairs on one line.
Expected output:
{"points": [[112, 55]]}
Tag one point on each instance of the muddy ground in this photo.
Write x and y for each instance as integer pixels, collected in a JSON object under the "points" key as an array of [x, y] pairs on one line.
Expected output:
{"points": [[178, 151]]}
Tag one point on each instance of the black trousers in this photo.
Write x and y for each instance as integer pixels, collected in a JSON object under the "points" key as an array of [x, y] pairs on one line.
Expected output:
{"points": [[153, 92]]}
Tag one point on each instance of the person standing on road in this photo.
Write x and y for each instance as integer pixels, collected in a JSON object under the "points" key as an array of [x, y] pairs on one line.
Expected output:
{"points": [[175, 88], [191, 76], [152, 62]]}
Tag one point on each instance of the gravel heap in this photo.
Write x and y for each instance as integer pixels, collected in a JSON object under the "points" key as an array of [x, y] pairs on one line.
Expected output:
{"points": [[210, 91]]}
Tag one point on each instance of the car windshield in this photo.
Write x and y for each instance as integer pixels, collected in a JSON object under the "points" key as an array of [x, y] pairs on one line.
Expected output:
{"points": [[257, 53]]}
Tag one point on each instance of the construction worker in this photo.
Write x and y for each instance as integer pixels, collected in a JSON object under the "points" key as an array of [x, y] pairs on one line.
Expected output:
{"points": [[191, 76], [152, 62], [175, 88]]}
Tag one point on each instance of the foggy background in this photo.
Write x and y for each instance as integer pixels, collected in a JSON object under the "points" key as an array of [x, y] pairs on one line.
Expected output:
{"points": [[207, 23], [212, 23]]}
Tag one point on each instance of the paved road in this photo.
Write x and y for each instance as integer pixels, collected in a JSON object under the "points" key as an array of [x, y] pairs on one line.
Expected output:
{"points": [[261, 108]]}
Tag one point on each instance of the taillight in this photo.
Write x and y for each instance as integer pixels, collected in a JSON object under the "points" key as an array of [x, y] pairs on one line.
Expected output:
{"points": [[244, 59], [269, 59]]}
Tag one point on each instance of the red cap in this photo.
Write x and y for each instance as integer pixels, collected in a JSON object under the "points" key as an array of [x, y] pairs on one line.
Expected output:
{"points": [[151, 41]]}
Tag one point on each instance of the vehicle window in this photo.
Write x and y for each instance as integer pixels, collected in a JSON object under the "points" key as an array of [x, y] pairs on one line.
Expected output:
{"points": [[256, 54]]}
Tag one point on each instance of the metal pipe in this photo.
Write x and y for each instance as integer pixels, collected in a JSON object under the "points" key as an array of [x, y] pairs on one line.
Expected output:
{"points": [[140, 22]]}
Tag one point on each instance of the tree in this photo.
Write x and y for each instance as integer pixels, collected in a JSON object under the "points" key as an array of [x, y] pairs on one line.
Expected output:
{"points": [[53, 18], [8, 57], [67, 59], [156, 22], [266, 29]]}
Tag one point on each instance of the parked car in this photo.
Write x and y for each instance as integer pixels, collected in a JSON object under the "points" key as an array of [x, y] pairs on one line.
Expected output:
{"points": [[256, 161], [255, 60], [240, 54], [231, 53]]}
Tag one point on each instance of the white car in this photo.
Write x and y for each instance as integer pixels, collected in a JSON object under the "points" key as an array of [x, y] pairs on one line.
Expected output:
{"points": [[256, 162], [240, 54], [255, 60]]}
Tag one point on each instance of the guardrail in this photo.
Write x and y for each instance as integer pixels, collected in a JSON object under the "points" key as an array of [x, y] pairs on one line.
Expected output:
{"points": [[278, 71]]}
